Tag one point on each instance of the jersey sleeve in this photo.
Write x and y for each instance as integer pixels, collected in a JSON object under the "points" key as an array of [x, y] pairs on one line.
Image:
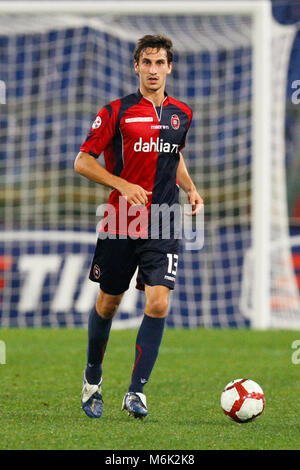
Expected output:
{"points": [[102, 131], [190, 116]]}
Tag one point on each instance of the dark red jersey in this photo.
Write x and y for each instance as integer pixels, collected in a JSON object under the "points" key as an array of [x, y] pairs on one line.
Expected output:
{"points": [[141, 143]]}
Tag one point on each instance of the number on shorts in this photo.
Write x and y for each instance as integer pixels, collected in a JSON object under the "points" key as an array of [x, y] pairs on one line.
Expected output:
{"points": [[172, 263]]}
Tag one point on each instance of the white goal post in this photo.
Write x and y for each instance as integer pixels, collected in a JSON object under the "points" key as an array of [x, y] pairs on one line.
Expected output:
{"points": [[260, 13]]}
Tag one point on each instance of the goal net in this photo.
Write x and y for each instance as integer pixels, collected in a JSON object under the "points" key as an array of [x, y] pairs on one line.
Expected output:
{"points": [[58, 71]]}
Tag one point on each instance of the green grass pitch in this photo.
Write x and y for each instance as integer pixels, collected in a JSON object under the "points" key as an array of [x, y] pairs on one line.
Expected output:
{"points": [[41, 383]]}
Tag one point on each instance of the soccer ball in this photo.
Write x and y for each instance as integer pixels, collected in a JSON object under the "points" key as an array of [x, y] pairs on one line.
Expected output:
{"points": [[243, 400]]}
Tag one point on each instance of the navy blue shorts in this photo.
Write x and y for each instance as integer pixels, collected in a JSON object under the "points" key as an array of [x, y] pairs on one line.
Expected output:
{"points": [[116, 260]]}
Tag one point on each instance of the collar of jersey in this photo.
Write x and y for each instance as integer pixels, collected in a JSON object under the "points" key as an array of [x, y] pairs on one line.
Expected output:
{"points": [[146, 100]]}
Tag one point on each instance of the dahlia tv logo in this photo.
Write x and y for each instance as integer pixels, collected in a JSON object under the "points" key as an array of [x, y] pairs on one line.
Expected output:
{"points": [[175, 122], [155, 145]]}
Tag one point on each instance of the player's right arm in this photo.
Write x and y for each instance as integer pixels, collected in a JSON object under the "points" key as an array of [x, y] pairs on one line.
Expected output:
{"points": [[99, 137], [86, 165]]}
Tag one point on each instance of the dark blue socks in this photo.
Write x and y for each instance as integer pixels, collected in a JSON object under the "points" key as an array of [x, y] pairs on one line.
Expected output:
{"points": [[98, 334], [147, 346]]}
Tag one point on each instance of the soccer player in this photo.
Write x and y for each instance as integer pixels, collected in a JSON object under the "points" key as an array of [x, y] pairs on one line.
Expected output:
{"points": [[142, 136]]}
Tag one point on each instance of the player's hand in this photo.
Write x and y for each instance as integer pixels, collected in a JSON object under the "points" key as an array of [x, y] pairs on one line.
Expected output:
{"points": [[196, 201], [134, 193]]}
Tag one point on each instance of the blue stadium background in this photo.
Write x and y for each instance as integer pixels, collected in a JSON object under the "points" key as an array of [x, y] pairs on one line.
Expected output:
{"points": [[73, 76]]}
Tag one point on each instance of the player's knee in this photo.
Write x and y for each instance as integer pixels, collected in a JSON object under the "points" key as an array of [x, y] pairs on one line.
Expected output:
{"points": [[107, 305], [106, 310], [157, 307]]}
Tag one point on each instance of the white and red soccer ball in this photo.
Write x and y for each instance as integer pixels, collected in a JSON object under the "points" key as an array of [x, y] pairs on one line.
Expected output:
{"points": [[243, 400]]}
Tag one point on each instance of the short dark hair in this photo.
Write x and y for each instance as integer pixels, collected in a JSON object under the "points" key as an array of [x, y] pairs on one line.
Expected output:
{"points": [[156, 41]]}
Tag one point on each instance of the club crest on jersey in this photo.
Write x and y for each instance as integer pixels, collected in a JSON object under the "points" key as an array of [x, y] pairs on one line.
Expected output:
{"points": [[175, 122], [97, 123], [96, 271]]}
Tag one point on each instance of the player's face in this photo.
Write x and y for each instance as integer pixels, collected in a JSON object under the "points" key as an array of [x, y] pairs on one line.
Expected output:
{"points": [[153, 68]]}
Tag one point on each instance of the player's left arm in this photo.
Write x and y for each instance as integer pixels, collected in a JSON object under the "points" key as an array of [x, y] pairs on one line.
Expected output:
{"points": [[186, 183]]}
